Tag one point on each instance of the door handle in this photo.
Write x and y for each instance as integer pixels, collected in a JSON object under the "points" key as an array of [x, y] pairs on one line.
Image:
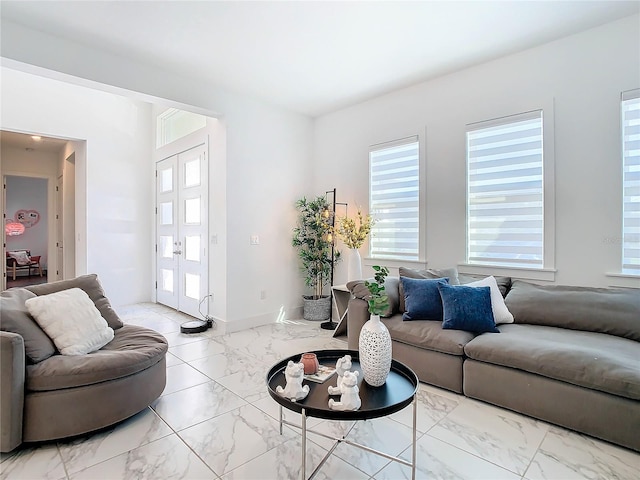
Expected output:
{"points": [[177, 252]]}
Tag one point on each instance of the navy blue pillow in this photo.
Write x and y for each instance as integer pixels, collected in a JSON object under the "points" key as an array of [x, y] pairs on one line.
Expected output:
{"points": [[422, 299], [467, 308]]}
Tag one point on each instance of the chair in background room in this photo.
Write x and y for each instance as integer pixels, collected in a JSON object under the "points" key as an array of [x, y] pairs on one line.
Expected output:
{"points": [[21, 259]]}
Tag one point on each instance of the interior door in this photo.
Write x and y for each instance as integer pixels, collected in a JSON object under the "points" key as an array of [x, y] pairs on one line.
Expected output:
{"points": [[59, 272], [182, 230]]}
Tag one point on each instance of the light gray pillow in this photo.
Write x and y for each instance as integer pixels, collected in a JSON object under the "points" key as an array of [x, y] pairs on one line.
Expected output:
{"points": [[15, 318], [91, 286], [504, 283], [359, 290]]}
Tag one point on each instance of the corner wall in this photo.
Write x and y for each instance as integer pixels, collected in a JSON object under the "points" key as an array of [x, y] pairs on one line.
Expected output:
{"points": [[113, 211], [582, 75]]}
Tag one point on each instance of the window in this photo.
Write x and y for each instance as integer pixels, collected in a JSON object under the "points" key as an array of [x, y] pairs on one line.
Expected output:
{"points": [[394, 191], [631, 182], [505, 182], [173, 124]]}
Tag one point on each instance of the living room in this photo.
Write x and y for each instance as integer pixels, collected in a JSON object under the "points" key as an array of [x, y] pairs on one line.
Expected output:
{"points": [[272, 156]]}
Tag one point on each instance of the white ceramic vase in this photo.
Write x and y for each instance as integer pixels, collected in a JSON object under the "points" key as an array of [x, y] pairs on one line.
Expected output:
{"points": [[375, 351], [354, 266]]}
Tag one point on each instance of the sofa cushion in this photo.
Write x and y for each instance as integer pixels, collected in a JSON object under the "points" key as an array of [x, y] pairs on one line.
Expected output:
{"points": [[615, 311], [422, 299], [431, 273], [592, 360], [504, 283], [132, 350], [467, 308], [71, 320], [501, 313], [91, 285], [428, 334], [15, 318], [359, 290]]}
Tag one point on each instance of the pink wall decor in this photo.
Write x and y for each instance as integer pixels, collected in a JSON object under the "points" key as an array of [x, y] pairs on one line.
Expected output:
{"points": [[28, 217], [13, 228]]}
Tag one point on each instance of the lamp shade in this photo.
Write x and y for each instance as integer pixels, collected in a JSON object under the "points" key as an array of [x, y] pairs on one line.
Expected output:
{"points": [[13, 229]]}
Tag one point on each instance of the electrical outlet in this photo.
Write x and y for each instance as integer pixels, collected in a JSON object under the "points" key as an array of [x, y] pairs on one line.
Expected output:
{"points": [[263, 294], [255, 240]]}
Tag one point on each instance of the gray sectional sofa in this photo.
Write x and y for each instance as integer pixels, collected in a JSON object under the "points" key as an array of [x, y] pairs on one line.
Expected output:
{"points": [[571, 357], [45, 395]]}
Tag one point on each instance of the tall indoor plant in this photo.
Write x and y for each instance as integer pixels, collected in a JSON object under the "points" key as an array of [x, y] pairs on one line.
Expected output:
{"points": [[374, 343], [313, 238]]}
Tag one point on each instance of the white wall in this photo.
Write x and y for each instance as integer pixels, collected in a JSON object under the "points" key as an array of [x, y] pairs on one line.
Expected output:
{"points": [[582, 75], [268, 152], [112, 215]]}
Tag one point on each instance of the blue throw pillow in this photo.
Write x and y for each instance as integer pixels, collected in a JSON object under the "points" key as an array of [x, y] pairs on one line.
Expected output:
{"points": [[467, 308], [422, 299]]}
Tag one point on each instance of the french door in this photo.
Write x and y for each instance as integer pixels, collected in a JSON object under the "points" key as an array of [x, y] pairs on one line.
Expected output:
{"points": [[181, 230]]}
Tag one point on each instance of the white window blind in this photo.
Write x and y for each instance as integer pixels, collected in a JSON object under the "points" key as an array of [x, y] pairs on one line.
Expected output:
{"points": [[505, 211], [394, 199], [631, 182]]}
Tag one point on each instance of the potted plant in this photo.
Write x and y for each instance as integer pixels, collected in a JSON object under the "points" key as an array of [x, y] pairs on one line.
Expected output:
{"points": [[375, 341], [353, 233], [313, 237]]}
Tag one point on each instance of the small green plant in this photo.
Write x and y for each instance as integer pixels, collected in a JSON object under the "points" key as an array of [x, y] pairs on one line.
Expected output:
{"points": [[378, 299]]}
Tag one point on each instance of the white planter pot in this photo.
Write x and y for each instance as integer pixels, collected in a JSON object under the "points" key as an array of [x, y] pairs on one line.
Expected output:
{"points": [[375, 351], [354, 266]]}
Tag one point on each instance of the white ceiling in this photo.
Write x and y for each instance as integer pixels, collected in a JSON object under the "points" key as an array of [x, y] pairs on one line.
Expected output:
{"points": [[21, 140], [313, 57]]}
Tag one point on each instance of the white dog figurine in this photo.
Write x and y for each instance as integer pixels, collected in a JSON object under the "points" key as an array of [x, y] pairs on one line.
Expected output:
{"points": [[349, 400], [342, 365], [293, 390]]}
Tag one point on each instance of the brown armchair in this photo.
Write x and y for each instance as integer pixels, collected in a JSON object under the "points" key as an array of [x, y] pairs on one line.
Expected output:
{"points": [[13, 265]]}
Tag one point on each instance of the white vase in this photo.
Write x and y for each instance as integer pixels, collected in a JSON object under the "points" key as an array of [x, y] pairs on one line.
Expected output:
{"points": [[375, 351], [354, 265]]}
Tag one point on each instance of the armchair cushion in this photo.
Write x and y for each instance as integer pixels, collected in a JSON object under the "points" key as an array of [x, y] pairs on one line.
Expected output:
{"points": [[15, 318], [91, 286], [72, 321]]}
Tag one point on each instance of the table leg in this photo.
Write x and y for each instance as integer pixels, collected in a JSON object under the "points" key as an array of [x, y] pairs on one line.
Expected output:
{"points": [[413, 448], [304, 444]]}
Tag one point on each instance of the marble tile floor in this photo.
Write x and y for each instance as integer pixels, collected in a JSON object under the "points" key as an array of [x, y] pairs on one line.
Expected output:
{"points": [[215, 420]]}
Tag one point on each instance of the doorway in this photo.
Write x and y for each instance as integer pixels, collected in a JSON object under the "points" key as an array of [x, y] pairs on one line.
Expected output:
{"points": [[26, 219], [182, 230], [49, 161]]}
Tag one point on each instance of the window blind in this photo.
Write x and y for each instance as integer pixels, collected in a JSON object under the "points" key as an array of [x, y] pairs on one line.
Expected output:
{"points": [[394, 199], [631, 182], [505, 211]]}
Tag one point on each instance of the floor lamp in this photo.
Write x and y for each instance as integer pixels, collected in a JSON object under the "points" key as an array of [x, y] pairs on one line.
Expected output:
{"points": [[331, 325]]}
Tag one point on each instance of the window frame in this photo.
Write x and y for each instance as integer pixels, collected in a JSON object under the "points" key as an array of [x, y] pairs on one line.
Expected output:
{"points": [[627, 96], [548, 271], [393, 260]]}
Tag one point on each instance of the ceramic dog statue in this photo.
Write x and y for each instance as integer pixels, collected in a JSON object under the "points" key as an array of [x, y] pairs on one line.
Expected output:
{"points": [[350, 399], [293, 390], [342, 365]]}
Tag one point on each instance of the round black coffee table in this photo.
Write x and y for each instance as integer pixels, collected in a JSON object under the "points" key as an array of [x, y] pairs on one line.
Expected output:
{"points": [[395, 394]]}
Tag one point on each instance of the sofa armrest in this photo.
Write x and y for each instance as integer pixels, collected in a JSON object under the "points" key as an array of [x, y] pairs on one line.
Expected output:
{"points": [[12, 378], [357, 316]]}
